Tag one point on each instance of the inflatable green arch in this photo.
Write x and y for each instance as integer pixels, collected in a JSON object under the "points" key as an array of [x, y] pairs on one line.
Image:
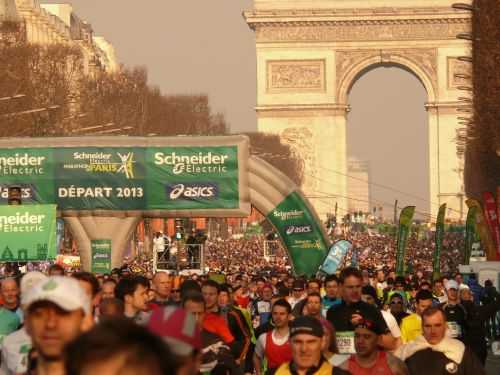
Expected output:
{"points": [[103, 186]]}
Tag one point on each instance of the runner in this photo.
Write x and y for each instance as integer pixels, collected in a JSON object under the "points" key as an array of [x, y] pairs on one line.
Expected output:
{"points": [[274, 346], [433, 353], [369, 360], [55, 315], [411, 326], [306, 338]]}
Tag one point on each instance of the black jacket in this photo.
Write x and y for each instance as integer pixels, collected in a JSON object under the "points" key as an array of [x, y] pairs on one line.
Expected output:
{"points": [[429, 362]]}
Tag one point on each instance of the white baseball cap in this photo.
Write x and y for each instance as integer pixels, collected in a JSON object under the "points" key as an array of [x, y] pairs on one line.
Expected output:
{"points": [[30, 280], [451, 284], [63, 291]]}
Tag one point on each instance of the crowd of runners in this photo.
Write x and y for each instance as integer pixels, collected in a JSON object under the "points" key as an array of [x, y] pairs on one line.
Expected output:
{"points": [[359, 321]]}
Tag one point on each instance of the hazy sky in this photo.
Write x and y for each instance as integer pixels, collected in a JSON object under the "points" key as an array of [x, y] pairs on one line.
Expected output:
{"points": [[205, 46]]}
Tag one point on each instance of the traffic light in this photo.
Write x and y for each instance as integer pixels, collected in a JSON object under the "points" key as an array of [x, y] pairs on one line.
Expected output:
{"points": [[14, 196]]}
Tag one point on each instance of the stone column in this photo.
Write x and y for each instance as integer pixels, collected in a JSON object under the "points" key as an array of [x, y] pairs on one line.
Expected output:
{"points": [[446, 174]]}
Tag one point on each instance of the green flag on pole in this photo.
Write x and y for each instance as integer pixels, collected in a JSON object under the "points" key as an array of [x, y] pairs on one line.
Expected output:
{"points": [[436, 263], [405, 219], [470, 233]]}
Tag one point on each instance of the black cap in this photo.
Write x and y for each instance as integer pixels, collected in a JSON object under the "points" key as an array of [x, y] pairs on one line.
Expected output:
{"points": [[370, 325], [307, 325], [298, 285]]}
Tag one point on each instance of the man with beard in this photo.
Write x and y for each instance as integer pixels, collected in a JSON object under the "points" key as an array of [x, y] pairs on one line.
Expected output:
{"points": [[133, 291]]}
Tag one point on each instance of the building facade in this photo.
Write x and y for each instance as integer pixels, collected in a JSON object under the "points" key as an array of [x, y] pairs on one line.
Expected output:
{"points": [[47, 24], [358, 185]]}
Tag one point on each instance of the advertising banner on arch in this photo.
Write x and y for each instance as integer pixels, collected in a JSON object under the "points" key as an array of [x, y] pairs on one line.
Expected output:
{"points": [[27, 233], [300, 233], [124, 178], [436, 263], [405, 219]]}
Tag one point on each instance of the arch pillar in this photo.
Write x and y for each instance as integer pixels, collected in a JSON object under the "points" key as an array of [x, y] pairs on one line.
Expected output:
{"points": [[87, 228], [446, 167], [318, 134]]}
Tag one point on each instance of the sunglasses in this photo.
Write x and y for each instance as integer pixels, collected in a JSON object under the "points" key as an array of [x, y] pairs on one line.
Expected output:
{"points": [[396, 302]]}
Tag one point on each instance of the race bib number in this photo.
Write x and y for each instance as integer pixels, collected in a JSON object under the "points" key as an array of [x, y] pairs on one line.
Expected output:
{"points": [[454, 329], [345, 342]]}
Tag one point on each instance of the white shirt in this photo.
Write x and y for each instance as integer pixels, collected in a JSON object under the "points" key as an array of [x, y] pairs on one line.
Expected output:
{"points": [[159, 244], [15, 349], [391, 322]]}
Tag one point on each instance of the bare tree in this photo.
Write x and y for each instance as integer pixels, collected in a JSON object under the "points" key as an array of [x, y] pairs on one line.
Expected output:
{"points": [[280, 155]]}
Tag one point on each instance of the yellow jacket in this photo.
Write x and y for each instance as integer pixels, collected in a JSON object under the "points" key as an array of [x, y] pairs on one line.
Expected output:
{"points": [[411, 327], [325, 369]]}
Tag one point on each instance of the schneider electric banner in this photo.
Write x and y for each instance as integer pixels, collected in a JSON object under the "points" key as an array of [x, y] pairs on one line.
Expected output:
{"points": [[124, 178], [27, 233], [300, 233]]}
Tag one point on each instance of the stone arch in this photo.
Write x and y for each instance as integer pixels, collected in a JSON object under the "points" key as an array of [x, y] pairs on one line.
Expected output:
{"points": [[424, 70]]}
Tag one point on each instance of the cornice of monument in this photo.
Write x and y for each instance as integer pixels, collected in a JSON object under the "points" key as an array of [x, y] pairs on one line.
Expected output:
{"points": [[331, 17], [301, 110]]}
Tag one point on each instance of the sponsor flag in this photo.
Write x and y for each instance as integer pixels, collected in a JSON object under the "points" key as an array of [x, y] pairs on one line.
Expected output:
{"points": [[470, 233], [436, 263], [405, 219], [335, 256], [101, 256], [482, 229], [490, 214], [27, 233]]}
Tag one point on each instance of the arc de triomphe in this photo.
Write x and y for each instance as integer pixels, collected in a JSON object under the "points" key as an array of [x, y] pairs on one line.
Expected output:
{"points": [[311, 52]]}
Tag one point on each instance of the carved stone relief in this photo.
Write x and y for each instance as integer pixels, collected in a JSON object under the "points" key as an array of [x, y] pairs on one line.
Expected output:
{"points": [[296, 75], [301, 140], [456, 69], [346, 31]]}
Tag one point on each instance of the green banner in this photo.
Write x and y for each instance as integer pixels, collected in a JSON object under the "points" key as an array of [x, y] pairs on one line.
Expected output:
{"points": [[436, 262], [101, 256], [301, 234], [27, 233], [405, 219], [470, 234], [124, 178]]}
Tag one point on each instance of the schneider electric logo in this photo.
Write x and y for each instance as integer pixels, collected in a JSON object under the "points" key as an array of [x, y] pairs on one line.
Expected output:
{"points": [[202, 162], [102, 162], [192, 191], [22, 164], [298, 229], [287, 215], [22, 223]]}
